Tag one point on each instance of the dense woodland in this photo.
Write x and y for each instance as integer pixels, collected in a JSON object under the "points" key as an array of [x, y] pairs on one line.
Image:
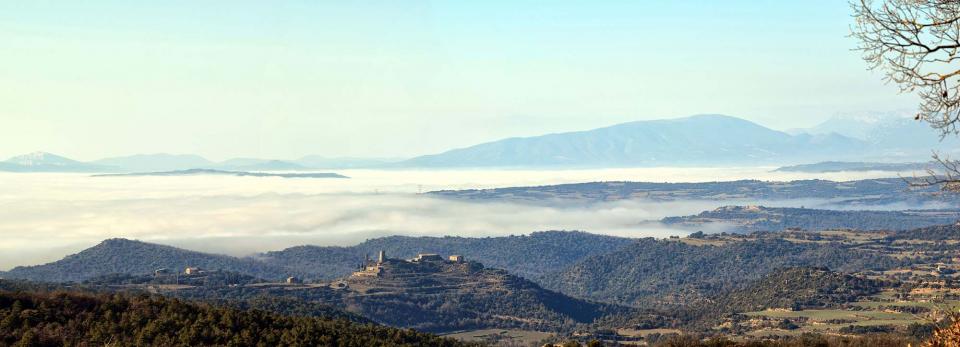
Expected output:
{"points": [[646, 272], [72, 319], [798, 288], [933, 233]]}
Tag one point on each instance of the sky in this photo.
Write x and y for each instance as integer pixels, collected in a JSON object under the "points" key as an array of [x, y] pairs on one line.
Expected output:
{"points": [[284, 79]]}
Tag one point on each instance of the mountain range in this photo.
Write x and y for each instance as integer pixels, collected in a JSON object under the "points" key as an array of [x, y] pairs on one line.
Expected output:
{"points": [[163, 162], [699, 140], [891, 135], [695, 140]]}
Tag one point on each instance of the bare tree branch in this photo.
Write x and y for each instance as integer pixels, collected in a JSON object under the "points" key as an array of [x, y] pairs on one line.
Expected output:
{"points": [[916, 43]]}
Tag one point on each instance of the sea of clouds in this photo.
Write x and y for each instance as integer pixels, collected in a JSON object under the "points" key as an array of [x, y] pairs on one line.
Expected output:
{"points": [[46, 216]]}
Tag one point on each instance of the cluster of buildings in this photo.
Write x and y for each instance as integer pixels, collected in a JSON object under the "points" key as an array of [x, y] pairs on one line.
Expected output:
{"points": [[367, 269], [374, 269], [189, 270]]}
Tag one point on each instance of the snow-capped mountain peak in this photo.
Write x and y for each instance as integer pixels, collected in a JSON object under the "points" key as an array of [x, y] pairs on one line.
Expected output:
{"points": [[41, 159]]}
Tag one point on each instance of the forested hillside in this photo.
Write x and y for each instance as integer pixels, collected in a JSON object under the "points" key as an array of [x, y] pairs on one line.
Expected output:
{"points": [[437, 296], [798, 288], [71, 319], [655, 272], [529, 256], [934, 233], [135, 257]]}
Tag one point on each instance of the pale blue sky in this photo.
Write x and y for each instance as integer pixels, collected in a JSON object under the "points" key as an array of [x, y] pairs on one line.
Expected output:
{"points": [[282, 79]]}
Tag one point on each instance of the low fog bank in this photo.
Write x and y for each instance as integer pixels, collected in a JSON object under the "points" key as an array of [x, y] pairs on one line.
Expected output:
{"points": [[241, 225], [47, 216]]}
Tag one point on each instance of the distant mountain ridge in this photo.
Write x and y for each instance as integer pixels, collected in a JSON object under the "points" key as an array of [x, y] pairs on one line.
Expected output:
{"points": [[695, 140], [197, 172], [746, 219], [700, 140], [891, 135], [163, 162]]}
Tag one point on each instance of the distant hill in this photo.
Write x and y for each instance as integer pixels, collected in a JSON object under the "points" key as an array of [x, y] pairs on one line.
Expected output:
{"points": [[211, 172], [135, 257], [529, 256], [792, 288], [839, 166], [744, 219], [431, 295], [945, 232], [155, 162], [46, 162], [439, 295], [800, 288], [696, 140], [654, 272], [850, 193]]}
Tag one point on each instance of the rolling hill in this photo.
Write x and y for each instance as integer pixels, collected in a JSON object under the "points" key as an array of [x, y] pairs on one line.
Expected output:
{"points": [[432, 294], [529, 256], [798, 288], [135, 257], [441, 295], [666, 272]]}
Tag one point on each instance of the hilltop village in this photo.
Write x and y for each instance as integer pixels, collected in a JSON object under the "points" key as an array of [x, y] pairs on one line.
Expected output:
{"points": [[375, 268]]}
